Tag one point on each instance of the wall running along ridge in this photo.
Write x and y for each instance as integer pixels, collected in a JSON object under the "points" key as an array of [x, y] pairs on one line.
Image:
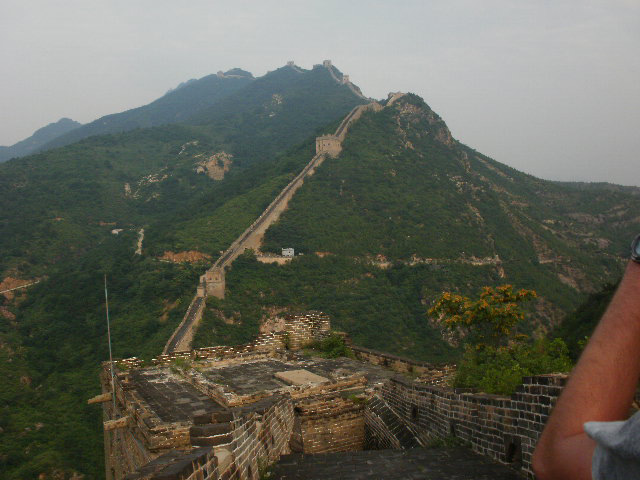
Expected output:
{"points": [[213, 283]]}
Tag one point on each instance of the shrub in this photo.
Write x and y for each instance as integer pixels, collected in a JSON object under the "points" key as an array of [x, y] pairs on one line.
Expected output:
{"points": [[500, 370], [496, 356], [331, 347]]}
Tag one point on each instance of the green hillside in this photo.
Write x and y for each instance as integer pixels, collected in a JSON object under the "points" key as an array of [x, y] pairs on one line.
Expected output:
{"points": [[39, 138], [404, 213], [57, 210], [57, 204], [175, 106]]}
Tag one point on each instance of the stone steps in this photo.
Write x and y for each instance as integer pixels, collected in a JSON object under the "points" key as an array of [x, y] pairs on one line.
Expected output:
{"points": [[397, 428], [418, 463]]}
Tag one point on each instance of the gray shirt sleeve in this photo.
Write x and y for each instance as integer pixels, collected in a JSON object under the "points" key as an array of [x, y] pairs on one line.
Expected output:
{"points": [[617, 454]]}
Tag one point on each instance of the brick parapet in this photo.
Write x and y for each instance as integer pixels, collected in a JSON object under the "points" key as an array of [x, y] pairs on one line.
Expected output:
{"points": [[428, 373], [260, 434], [503, 428], [298, 331]]}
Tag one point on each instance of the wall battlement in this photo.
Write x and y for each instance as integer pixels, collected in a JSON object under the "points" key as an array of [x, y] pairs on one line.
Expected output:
{"points": [[503, 428], [222, 408]]}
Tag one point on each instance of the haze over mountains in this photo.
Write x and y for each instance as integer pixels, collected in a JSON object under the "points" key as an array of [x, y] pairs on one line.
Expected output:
{"points": [[175, 106], [40, 138], [405, 212]]}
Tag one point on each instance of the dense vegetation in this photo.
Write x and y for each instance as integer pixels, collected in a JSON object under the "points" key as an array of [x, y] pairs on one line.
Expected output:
{"points": [[51, 356], [497, 354], [56, 212], [381, 309], [402, 215], [397, 193], [578, 326], [56, 204], [175, 106], [500, 370]]}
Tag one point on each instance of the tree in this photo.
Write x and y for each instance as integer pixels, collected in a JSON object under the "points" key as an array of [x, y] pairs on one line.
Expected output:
{"points": [[496, 356], [489, 320]]}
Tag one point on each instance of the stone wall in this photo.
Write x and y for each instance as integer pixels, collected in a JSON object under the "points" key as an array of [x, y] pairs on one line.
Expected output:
{"points": [[385, 429], [503, 428], [260, 434], [305, 328], [329, 424], [212, 283], [328, 144], [298, 331], [355, 114], [232, 445], [429, 373], [124, 450]]}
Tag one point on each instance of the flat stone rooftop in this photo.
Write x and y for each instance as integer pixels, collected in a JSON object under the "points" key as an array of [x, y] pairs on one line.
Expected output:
{"points": [[260, 375], [171, 398], [418, 463], [175, 396]]}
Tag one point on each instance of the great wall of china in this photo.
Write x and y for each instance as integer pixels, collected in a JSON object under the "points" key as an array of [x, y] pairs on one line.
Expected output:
{"points": [[228, 412], [225, 412], [212, 283]]}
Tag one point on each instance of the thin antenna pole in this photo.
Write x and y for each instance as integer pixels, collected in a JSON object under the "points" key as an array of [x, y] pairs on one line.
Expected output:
{"points": [[113, 383]]}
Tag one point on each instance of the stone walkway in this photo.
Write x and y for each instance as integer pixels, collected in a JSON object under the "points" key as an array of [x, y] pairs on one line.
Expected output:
{"points": [[418, 463]]}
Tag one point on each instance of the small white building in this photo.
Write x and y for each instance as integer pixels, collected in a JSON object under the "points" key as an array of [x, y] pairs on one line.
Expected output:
{"points": [[288, 252], [116, 231]]}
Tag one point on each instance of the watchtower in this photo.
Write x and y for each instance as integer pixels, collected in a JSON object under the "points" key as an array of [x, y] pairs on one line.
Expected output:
{"points": [[326, 63], [212, 283], [328, 144]]}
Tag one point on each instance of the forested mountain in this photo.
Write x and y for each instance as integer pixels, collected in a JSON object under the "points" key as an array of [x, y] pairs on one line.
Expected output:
{"points": [[175, 106], [406, 212], [58, 203], [57, 211], [402, 214], [38, 139]]}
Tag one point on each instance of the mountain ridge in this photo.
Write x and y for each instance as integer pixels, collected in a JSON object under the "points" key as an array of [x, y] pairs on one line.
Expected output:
{"points": [[38, 139], [404, 212], [173, 107]]}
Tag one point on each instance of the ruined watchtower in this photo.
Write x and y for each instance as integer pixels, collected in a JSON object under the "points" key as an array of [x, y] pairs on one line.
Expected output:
{"points": [[212, 283], [329, 144]]}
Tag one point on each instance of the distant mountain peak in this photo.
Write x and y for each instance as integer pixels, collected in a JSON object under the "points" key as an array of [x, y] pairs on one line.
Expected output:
{"points": [[411, 109], [238, 72], [39, 138]]}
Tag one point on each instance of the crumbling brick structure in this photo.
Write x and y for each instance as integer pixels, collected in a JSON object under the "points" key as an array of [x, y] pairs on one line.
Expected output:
{"points": [[227, 412]]}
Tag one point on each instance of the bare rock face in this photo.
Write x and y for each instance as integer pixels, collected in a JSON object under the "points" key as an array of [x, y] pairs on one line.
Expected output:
{"points": [[216, 165], [6, 313], [190, 256], [410, 115]]}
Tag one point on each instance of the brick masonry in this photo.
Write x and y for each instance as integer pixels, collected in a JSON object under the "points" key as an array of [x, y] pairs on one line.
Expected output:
{"points": [[298, 331], [430, 373], [503, 428], [187, 425], [330, 424]]}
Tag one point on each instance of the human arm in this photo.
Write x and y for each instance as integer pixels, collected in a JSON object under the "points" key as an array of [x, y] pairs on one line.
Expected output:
{"points": [[601, 387]]}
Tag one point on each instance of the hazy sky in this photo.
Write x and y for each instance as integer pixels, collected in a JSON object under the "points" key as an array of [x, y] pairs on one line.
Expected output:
{"points": [[551, 88]]}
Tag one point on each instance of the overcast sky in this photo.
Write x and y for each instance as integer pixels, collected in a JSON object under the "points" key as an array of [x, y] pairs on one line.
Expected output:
{"points": [[551, 88]]}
